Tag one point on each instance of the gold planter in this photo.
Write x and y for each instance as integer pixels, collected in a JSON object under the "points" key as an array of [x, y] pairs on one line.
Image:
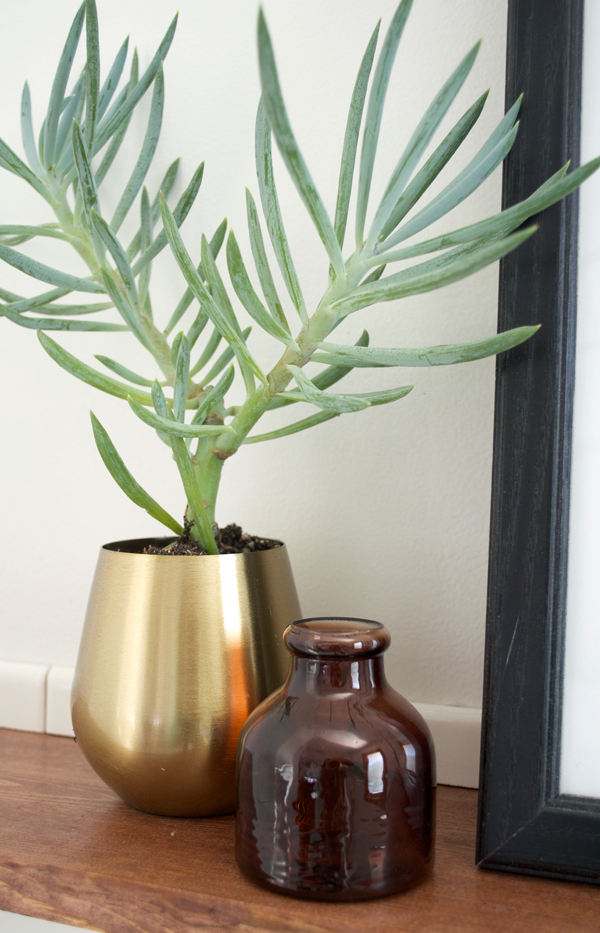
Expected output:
{"points": [[176, 653]]}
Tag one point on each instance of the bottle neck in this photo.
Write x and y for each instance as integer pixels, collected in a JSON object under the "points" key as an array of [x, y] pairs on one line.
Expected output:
{"points": [[334, 676]]}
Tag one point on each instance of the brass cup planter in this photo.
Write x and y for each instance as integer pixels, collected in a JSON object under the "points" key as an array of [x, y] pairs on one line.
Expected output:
{"points": [[176, 652]]}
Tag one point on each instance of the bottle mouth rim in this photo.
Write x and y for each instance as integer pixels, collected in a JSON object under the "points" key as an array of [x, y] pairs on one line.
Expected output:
{"points": [[361, 626], [336, 637]]}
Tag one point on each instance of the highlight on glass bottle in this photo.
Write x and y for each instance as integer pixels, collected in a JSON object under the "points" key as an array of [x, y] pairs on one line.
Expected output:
{"points": [[336, 773]]}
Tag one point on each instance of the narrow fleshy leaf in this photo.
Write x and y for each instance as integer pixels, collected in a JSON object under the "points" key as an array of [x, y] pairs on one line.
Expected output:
{"points": [[30, 232], [175, 347], [288, 147], [65, 127], [124, 307], [419, 141], [221, 298], [198, 325], [121, 475], [59, 85], [214, 396], [351, 138], [63, 153], [270, 206], [556, 187], [182, 378], [146, 239], [146, 155], [118, 136], [53, 323], [118, 254], [175, 428], [262, 264], [123, 371], [216, 285], [294, 428], [17, 303], [112, 81], [444, 355], [342, 403], [374, 113], [165, 186], [252, 303], [67, 310], [457, 191], [188, 296], [87, 188], [221, 362], [415, 284], [27, 132], [182, 209], [208, 352], [431, 169], [206, 301], [483, 164], [75, 310], [92, 71], [40, 147], [327, 401], [87, 374], [110, 124], [161, 409], [158, 400], [14, 164], [45, 273], [134, 74], [9, 296]]}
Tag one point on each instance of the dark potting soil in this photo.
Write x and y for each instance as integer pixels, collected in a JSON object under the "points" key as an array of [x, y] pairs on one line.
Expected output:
{"points": [[230, 540]]}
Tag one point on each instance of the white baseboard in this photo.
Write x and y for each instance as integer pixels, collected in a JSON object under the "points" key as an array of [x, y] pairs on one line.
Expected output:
{"points": [[456, 732], [36, 698], [23, 696]]}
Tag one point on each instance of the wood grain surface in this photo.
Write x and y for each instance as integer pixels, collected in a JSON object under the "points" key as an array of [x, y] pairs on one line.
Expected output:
{"points": [[72, 852]]}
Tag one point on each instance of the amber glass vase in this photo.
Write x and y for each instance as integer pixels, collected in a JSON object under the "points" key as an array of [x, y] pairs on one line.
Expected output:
{"points": [[336, 773]]}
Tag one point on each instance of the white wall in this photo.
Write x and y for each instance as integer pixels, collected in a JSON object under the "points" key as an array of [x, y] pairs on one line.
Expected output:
{"points": [[385, 512], [580, 757]]}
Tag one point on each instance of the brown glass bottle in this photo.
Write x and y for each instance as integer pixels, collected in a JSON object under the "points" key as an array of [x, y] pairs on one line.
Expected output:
{"points": [[336, 773]]}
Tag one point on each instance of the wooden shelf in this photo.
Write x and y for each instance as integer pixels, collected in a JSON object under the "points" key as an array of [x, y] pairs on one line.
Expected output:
{"points": [[72, 852]]}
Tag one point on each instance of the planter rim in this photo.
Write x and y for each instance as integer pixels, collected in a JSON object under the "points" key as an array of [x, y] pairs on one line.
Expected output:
{"points": [[133, 546]]}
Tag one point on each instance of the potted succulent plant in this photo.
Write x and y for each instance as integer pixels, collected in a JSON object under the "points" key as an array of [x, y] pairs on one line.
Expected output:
{"points": [[159, 698]]}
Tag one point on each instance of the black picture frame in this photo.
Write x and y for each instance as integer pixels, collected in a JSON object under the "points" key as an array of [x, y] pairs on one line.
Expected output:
{"points": [[525, 825]]}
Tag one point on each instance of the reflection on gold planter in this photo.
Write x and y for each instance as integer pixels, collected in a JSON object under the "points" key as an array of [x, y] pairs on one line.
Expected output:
{"points": [[176, 652]]}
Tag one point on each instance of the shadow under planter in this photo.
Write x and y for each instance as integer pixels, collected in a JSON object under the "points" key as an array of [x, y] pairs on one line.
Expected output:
{"points": [[176, 653]]}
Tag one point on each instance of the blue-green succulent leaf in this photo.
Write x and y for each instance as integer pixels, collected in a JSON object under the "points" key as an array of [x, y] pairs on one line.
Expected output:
{"points": [[252, 303], [92, 71], [87, 374], [59, 85], [374, 112], [296, 166], [262, 264], [38, 270], [419, 141], [351, 138], [270, 206], [121, 475], [146, 155], [123, 371], [294, 428], [27, 132]]}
